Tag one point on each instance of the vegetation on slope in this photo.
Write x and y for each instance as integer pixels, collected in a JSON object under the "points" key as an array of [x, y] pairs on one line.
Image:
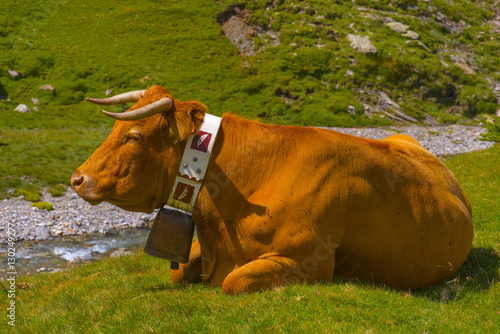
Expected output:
{"points": [[302, 71], [85, 48]]}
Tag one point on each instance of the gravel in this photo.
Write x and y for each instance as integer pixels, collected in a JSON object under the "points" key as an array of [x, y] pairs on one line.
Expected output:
{"points": [[72, 215]]}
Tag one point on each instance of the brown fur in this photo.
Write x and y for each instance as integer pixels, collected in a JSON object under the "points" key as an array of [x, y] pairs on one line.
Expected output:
{"points": [[286, 204]]}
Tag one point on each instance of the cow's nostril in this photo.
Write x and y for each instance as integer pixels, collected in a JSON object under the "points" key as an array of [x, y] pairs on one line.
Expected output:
{"points": [[77, 180]]}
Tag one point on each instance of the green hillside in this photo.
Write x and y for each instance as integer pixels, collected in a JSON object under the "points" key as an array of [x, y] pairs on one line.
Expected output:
{"points": [[283, 62], [84, 48]]}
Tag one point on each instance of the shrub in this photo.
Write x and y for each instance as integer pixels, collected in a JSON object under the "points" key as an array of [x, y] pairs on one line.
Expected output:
{"points": [[309, 61], [493, 133]]}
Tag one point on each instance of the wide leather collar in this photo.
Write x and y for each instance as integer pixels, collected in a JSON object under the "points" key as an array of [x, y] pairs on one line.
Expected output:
{"points": [[194, 164]]}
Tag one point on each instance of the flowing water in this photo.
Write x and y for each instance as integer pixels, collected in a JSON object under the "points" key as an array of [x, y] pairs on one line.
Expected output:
{"points": [[57, 254]]}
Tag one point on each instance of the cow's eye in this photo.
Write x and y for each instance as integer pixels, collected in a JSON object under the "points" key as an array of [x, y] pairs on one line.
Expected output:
{"points": [[133, 136]]}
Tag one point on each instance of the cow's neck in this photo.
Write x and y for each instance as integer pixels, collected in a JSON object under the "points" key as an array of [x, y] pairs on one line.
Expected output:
{"points": [[242, 161]]}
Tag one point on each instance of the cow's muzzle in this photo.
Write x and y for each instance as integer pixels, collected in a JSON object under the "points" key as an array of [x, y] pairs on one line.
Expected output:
{"points": [[84, 187], [77, 180]]}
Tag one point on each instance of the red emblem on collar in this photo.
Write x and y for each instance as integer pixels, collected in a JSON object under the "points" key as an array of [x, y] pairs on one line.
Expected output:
{"points": [[200, 141], [184, 192]]}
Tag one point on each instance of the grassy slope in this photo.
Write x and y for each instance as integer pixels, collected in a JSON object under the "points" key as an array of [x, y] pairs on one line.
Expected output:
{"points": [[135, 294], [84, 48]]}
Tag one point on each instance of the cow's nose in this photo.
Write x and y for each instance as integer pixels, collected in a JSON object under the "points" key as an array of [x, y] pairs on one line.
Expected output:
{"points": [[77, 180]]}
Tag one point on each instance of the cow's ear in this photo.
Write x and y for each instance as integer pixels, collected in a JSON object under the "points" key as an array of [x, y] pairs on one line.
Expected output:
{"points": [[189, 117], [197, 112]]}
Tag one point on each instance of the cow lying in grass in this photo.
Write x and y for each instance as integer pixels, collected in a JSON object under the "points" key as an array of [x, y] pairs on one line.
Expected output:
{"points": [[287, 204]]}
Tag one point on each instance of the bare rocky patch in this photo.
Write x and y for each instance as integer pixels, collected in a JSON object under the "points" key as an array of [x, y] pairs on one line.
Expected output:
{"points": [[237, 27]]}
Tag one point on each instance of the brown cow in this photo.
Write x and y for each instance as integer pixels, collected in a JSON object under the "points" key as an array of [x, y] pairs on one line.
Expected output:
{"points": [[287, 204]]}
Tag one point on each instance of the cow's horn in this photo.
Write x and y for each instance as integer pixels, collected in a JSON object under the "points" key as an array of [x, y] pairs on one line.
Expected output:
{"points": [[133, 96], [154, 108]]}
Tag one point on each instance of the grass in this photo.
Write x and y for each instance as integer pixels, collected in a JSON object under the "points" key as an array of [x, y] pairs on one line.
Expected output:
{"points": [[135, 294], [39, 158]]}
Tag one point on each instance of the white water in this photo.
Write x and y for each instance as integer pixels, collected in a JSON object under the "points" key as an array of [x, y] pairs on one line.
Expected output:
{"points": [[56, 254]]}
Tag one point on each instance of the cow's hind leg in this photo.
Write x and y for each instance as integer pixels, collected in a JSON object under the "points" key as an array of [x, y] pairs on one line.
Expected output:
{"points": [[190, 272], [270, 272]]}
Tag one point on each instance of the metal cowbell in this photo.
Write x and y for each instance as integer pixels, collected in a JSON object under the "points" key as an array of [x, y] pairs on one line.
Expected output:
{"points": [[171, 237]]}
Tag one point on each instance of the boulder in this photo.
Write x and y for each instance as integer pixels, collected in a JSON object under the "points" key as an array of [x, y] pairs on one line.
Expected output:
{"points": [[398, 27], [411, 35], [462, 63], [385, 102], [14, 73], [47, 87], [362, 44], [120, 252], [22, 108]]}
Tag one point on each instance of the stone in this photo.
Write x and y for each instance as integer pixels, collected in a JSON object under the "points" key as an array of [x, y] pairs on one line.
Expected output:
{"points": [[385, 102], [397, 27], [69, 230], [22, 108], [14, 73], [35, 101], [120, 252], [489, 119], [36, 108], [47, 87], [42, 233], [362, 44], [351, 110], [108, 92], [411, 35], [460, 62], [498, 113]]}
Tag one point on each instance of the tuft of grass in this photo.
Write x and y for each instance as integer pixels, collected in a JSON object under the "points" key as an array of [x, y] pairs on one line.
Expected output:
{"points": [[57, 191], [43, 206], [135, 293], [32, 195]]}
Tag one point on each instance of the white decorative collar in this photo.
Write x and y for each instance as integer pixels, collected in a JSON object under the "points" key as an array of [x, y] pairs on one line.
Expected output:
{"points": [[194, 164]]}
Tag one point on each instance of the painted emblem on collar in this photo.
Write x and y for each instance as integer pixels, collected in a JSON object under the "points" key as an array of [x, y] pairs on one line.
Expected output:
{"points": [[201, 141], [183, 192]]}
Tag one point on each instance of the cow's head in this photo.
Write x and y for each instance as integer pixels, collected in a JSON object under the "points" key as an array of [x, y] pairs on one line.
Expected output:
{"points": [[136, 165]]}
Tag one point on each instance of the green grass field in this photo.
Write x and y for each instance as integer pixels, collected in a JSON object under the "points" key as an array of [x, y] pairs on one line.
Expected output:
{"points": [[134, 294]]}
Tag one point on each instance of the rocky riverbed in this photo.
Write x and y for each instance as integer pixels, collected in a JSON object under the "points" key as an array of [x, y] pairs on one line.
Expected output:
{"points": [[73, 216]]}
